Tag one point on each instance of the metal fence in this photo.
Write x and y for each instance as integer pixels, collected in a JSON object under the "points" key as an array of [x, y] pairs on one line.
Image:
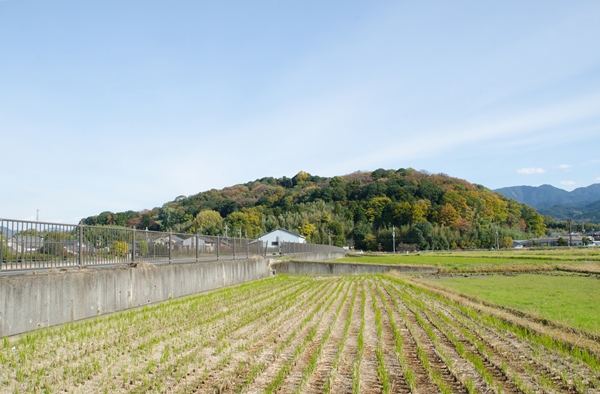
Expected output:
{"points": [[26, 245]]}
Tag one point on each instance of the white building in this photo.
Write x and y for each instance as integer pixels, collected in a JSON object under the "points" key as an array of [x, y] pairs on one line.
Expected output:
{"points": [[276, 237]]}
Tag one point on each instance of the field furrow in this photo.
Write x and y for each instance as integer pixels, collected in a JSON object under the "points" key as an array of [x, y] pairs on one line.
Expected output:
{"points": [[421, 380], [226, 365], [341, 378], [280, 362], [369, 379], [304, 366], [393, 364], [320, 380]]}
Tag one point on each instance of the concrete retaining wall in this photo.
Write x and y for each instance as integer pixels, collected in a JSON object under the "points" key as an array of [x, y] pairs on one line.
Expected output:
{"points": [[322, 268], [45, 299], [318, 256]]}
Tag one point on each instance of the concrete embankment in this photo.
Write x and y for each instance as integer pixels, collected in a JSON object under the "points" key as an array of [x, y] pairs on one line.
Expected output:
{"points": [[33, 300], [327, 268]]}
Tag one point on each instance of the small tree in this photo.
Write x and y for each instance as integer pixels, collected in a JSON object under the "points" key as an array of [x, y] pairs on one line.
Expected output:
{"points": [[119, 249], [307, 229], [507, 242], [561, 241], [586, 240], [143, 248], [370, 242]]}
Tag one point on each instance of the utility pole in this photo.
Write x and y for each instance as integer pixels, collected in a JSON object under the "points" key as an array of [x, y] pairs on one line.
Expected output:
{"points": [[37, 215], [225, 230], [393, 239], [497, 242]]}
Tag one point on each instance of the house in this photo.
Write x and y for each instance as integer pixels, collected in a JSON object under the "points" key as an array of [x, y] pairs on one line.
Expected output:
{"points": [[25, 243], [73, 247], [204, 244], [575, 240], [276, 237], [189, 243]]}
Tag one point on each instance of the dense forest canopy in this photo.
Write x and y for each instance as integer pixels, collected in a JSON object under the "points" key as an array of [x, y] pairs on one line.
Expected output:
{"points": [[427, 211]]}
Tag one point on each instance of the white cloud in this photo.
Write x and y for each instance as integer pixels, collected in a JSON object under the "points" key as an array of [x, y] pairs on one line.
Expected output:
{"points": [[565, 166], [567, 183], [531, 170]]}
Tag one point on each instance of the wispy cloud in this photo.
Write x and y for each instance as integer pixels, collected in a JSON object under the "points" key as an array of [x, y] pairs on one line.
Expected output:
{"points": [[568, 183], [564, 166], [531, 171]]}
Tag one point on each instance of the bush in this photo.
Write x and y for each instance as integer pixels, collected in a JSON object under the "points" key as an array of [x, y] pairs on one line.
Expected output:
{"points": [[119, 249]]}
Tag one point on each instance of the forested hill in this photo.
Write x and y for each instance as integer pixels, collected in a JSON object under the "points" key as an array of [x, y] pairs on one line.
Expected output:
{"points": [[428, 211]]}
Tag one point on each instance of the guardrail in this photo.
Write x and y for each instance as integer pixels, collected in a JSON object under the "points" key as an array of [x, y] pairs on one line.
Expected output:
{"points": [[27, 245]]}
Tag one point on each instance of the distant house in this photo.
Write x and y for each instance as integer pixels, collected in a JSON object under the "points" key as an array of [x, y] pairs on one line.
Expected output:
{"points": [[178, 243], [204, 244], [276, 237], [520, 243], [575, 240], [73, 247], [25, 243]]}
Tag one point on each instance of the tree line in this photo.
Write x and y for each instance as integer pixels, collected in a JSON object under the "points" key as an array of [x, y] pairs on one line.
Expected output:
{"points": [[425, 211]]}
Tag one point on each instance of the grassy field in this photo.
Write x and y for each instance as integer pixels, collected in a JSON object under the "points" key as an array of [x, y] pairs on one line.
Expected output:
{"points": [[577, 259], [570, 299]]}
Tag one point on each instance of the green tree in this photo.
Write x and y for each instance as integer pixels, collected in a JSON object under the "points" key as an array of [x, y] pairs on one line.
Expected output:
{"points": [[359, 234], [143, 248], [375, 209], [402, 213], [421, 234], [534, 221], [247, 220], [207, 222], [370, 242], [420, 210], [561, 241]]}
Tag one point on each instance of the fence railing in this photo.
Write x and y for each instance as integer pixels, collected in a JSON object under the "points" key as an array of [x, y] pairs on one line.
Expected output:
{"points": [[26, 245]]}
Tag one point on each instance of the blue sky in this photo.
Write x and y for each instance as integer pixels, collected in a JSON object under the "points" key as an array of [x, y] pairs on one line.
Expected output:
{"points": [[117, 105]]}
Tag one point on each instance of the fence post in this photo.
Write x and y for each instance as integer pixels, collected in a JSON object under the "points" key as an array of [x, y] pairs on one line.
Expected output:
{"points": [[234, 248], [218, 243], [197, 248], [133, 247], [170, 247], [80, 257]]}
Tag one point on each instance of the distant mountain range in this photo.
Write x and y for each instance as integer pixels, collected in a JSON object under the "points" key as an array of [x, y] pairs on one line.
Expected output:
{"points": [[579, 204], [5, 231]]}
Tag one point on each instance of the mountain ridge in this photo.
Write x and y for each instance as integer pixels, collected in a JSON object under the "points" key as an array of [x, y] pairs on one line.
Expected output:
{"points": [[546, 196]]}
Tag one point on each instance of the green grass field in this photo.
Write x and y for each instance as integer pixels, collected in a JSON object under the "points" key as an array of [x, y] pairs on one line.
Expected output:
{"points": [[585, 259], [570, 299]]}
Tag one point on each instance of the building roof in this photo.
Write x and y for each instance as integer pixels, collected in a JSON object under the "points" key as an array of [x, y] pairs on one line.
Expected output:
{"points": [[284, 230]]}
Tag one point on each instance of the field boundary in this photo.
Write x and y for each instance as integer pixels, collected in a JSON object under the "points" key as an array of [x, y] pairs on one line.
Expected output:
{"points": [[295, 267]]}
